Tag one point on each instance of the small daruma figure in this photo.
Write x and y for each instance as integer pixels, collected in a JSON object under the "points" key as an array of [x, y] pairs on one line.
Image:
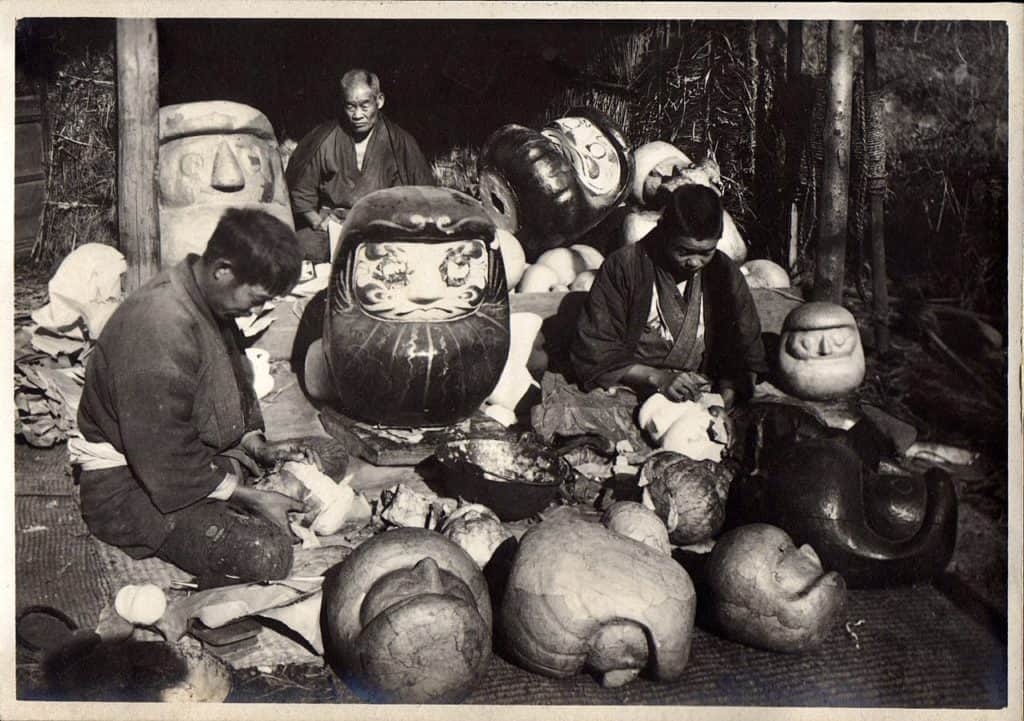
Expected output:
{"points": [[408, 619], [417, 326], [766, 592], [214, 155], [548, 188], [820, 355]]}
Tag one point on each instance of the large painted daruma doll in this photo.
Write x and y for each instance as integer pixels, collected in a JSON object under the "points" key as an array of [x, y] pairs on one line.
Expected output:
{"points": [[214, 155], [417, 325], [549, 188]]}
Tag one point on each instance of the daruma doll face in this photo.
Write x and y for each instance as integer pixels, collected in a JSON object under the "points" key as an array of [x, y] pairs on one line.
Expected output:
{"points": [[820, 356], [214, 155], [419, 281], [593, 155]]}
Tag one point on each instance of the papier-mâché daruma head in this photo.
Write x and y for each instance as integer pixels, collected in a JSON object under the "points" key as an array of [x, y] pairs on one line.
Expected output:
{"points": [[766, 592], [820, 353], [408, 619], [214, 155], [548, 188], [417, 327], [660, 167]]}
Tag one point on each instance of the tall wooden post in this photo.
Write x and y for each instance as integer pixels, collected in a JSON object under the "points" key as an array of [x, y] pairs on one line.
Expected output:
{"points": [[830, 265], [794, 71], [876, 190], [138, 131]]}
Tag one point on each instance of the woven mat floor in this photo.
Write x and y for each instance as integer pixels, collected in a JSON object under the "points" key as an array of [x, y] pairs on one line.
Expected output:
{"points": [[907, 647], [913, 649]]}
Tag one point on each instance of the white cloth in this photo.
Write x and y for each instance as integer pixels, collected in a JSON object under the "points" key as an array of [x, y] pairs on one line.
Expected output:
{"points": [[655, 319], [361, 149], [87, 285], [92, 456]]}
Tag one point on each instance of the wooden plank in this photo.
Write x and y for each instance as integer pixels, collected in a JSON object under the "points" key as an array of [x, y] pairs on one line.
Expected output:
{"points": [[138, 125], [28, 151], [27, 108]]}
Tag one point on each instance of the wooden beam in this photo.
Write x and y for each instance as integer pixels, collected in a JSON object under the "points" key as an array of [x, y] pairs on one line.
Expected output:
{"points": [[138, 131], [830, 262]]}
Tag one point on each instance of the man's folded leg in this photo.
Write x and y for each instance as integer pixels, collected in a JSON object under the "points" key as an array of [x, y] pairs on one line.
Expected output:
{"points": [[222, 545]]}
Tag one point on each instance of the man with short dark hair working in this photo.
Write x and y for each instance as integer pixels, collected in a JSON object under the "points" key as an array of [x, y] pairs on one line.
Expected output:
{"points": [[169, 422], [340, 161], [672, 314]]}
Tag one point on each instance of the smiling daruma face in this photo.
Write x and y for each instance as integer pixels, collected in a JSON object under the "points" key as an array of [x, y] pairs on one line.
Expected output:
{"points": [[820, 355], [417, 328]]}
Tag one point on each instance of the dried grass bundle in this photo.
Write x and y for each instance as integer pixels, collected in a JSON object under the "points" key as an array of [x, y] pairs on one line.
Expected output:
{"points": [[81, 162], [457, 169]]}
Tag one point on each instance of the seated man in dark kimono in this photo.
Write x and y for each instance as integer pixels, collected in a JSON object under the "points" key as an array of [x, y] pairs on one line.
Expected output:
{"points": [[670, 313], [340, 161], [169, 424]]}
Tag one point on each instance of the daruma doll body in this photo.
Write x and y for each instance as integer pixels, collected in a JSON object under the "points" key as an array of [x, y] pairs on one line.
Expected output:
{"points": [[820, 354], [552, 186], [417, 326]]}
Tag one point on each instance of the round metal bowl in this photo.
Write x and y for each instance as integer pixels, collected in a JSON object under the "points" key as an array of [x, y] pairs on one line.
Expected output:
{"points": [[515, 479]]}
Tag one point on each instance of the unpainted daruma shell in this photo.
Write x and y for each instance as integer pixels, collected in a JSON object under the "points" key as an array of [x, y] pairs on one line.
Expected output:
{"points": [[763, 273], [765, 592], [431, 649], [820, 353], [571, 579], [637, 521]]}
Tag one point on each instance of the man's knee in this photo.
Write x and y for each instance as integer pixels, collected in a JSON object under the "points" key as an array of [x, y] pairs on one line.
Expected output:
{"points": [[221, 545]]}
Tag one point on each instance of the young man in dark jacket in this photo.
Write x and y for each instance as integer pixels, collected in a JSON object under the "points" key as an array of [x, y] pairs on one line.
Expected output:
{"points": [[169, 421], [670, 313]]}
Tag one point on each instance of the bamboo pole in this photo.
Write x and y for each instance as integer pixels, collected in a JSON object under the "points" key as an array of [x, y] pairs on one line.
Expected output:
{"points": [[880, 290], [138, 130], [830, 265]]}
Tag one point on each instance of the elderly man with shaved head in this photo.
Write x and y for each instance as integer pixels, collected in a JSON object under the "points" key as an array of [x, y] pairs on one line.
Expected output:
{"points": [[342, 160]]}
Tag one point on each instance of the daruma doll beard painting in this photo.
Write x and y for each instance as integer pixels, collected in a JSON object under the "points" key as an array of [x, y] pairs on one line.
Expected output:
{"points": [[420, 281], [591, 153]]}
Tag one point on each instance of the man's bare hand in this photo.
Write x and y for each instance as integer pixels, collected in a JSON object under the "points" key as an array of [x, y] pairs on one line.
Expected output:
{"points": [[268, 504], [271, 454], [683, 385]]}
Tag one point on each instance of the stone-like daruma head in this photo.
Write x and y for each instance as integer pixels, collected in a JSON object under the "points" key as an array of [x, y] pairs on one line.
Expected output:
{"points": [[820, 353], [214, 155]]}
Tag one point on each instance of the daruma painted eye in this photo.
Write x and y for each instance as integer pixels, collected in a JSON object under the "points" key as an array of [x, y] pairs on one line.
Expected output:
{"points": [[820, 356]]}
